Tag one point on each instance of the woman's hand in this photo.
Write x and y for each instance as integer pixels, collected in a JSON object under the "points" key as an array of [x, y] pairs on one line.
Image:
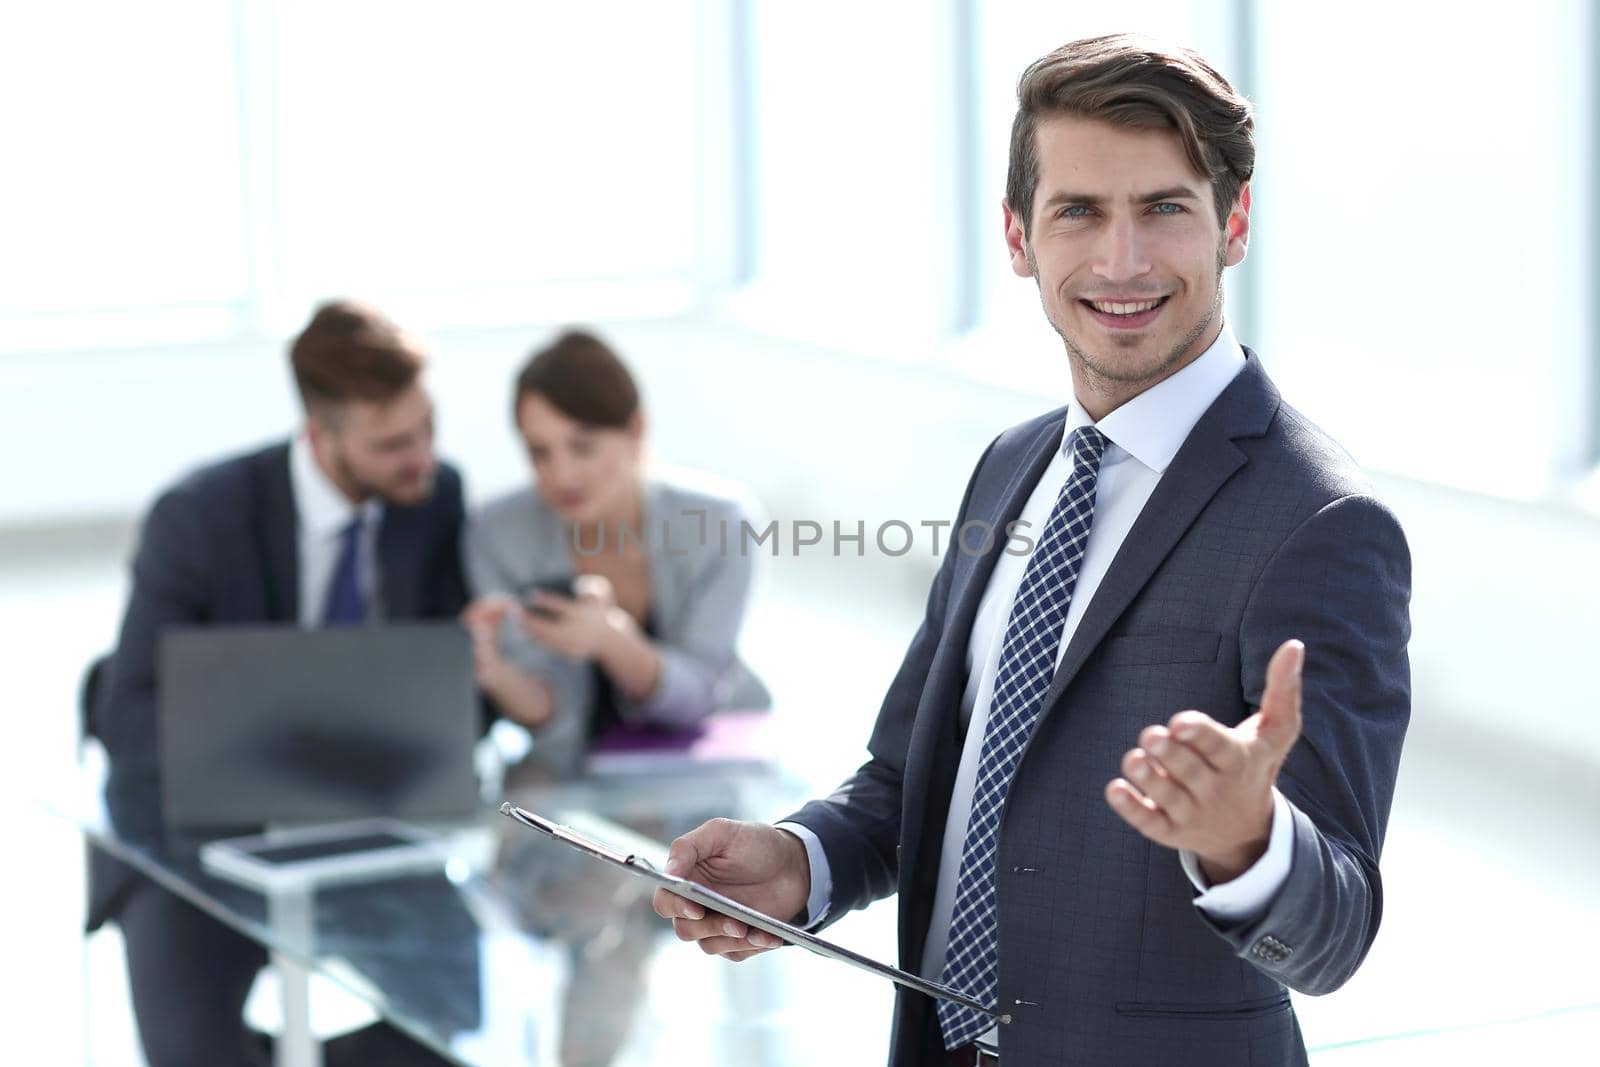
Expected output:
{"points": [[489, 611], [520, 696], [577, 627], [483, 621], [593, 627]]}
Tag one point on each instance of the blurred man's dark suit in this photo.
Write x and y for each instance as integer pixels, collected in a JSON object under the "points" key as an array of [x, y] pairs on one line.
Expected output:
{"points": [[1261, 530], [221, 547]]}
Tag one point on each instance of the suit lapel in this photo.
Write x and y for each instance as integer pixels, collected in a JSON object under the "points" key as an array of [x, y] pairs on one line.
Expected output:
{"points": [[398, 544], [1206, 461], [973, 572], [278, 526], [947, 674]]}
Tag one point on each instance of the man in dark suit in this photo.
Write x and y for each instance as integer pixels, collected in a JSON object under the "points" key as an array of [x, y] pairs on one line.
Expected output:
{"points": [[354, 520], [1131, 785]]}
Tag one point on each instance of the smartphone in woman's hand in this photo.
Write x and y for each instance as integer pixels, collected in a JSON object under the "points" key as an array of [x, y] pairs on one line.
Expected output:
{"points": [[561, 587]]}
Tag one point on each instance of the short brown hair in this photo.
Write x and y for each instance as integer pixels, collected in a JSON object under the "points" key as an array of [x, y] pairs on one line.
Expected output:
{"points": [[1138, 83], [583, 378], [349, 351]]}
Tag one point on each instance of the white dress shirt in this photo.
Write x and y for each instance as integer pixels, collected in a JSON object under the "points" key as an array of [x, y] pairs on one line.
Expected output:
{"points": [[1144, 435], [322, 512]]}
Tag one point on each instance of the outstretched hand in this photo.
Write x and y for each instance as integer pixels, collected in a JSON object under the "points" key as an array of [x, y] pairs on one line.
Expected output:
{"points": [[1198, 785]]}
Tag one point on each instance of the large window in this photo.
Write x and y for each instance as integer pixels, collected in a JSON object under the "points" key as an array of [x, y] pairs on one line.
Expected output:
{"points": [[121, 198], [855, 143], [190, 169], [428, 148], [1423, 253], [1425, 206]]}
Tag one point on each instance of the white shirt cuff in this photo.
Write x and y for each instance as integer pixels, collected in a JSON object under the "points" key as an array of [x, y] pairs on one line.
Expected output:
{"points": [[1247, 896], [821, 877]]}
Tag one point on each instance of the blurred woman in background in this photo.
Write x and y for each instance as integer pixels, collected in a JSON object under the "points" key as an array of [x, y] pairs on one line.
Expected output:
{"points": [[605, 594]]}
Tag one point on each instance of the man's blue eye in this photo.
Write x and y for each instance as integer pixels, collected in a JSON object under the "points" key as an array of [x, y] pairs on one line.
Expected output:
{"points": [[1167, 209], [1075, 211]]}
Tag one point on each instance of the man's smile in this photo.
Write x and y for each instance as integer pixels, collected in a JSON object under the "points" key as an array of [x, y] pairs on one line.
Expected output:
{"points": [[1125, 314]]}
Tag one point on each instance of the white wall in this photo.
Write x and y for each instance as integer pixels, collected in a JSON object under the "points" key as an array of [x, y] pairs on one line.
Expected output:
{"points": [[1506, 622]]}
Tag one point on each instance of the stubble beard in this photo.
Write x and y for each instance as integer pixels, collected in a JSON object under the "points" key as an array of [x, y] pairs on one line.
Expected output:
{"points": [[406, 494], [1101, 373]]}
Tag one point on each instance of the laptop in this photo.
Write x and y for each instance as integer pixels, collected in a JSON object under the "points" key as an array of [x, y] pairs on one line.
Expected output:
{"points": [[280, 725]]}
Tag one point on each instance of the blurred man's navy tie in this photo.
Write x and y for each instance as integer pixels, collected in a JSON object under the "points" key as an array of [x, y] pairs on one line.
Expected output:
{"points": [[345, 606]]}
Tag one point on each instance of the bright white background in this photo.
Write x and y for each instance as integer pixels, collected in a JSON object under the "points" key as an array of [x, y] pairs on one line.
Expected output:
{"points": [[787, 217]]}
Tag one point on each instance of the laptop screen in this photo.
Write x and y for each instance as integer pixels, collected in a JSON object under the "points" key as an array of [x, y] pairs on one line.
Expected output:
{"points": [[276, 724]]}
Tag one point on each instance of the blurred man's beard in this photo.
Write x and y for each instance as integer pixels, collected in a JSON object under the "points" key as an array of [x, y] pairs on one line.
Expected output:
{"points": [[407, 493], [419, 490], [404, 492]]}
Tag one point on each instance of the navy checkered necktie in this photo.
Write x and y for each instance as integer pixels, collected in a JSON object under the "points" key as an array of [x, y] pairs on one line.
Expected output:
{"points": [[1027, 664]]}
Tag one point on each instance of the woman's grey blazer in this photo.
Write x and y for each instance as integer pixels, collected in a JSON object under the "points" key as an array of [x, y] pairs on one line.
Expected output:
{"points": [[700, 585]]}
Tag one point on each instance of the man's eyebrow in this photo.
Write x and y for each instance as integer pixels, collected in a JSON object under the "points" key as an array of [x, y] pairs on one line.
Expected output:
{"points": [[1176, 192], [1074, 198]]}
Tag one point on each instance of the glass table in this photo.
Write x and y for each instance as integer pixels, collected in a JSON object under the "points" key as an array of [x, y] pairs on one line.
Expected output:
{"points": [[517, 949], [520, 951]]}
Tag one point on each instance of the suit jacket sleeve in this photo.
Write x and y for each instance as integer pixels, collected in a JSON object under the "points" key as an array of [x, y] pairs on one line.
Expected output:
{"points": [[859, 825], [1342, 583], [171, 585]]}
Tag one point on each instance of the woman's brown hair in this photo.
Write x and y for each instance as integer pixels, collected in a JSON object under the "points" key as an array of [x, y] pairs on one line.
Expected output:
{"points": [[583, 378]]}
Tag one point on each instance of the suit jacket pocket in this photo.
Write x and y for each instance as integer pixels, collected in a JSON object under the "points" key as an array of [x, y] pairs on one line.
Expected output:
{"points": [[1163, 646], [1244, 1009]]}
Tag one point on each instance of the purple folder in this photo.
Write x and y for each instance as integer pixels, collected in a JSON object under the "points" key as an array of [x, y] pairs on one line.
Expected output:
{"points": [[727, 740]]}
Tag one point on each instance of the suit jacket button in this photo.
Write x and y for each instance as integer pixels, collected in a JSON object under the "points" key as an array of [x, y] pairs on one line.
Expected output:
{"points": [[1270, 949]]}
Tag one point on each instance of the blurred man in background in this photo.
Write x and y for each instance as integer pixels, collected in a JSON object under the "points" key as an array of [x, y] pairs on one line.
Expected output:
{"points": [[354, 520]]}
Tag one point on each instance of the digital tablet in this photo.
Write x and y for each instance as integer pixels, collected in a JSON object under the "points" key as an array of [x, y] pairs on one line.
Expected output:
{"points": [[310, 856], [710, 898]]}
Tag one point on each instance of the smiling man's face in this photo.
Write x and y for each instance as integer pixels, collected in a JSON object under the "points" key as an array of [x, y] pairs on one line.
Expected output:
{"points": [[1128, 253]]}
